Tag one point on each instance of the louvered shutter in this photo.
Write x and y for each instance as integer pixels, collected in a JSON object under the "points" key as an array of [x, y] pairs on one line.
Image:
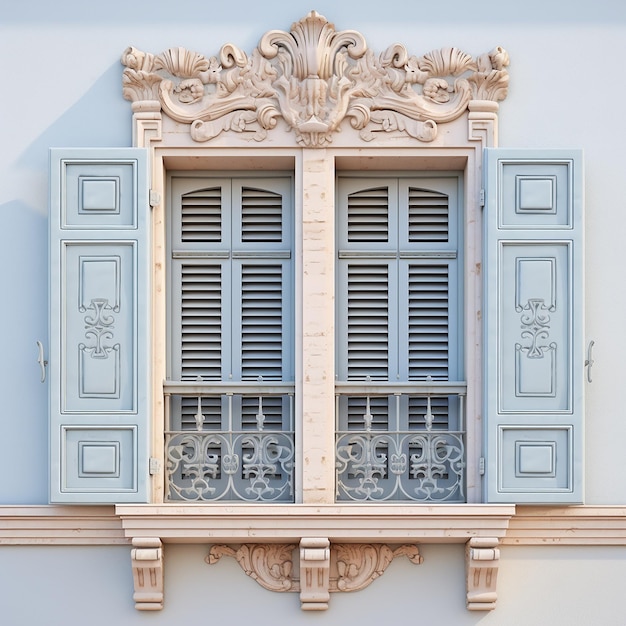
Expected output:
{"points": [[99, 326], [534, 326], [399, 296], [231, 285]]}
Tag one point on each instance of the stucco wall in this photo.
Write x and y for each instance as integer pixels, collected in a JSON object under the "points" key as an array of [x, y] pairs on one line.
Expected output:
{"points": [[61, 80], [539, 586]]}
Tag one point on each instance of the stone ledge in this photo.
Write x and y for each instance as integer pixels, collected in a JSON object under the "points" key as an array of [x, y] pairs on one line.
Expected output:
{"points": [[386, 523], [590, 525], [516, 526], [60, 525]]}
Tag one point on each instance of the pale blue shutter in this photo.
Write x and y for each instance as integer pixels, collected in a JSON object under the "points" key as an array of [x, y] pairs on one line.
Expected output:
{"points": [[533, 329], [99, 326]]}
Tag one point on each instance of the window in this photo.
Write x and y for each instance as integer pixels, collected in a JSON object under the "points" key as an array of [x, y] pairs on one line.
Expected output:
{"points": [[399, 337], [428, 351], [234, 396], [230, 430]]}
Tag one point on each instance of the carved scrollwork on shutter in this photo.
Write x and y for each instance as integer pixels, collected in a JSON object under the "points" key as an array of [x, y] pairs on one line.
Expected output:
{"points": [[99, 325]]}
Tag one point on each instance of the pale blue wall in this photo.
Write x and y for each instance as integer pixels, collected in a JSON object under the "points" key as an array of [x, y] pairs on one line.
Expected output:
{"points": [[61, 81], [538, 586], [61, 86]]}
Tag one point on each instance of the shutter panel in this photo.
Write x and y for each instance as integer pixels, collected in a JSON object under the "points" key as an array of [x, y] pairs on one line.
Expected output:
{"points": [[201, 216], [368, 321], [428, 321], [100, 321], [534, 326], [261, 215], [262, 317], [368, 215], [428, 216], [201, 328], [231, 280]]}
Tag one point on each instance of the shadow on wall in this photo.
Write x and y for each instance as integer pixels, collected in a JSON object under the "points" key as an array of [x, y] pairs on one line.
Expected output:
{"points": [[101, 118], [24, 443]]}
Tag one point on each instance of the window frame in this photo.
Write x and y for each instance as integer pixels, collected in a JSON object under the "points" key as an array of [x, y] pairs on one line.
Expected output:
{"points": [[397, 254], [231, 254], [315, 173]]}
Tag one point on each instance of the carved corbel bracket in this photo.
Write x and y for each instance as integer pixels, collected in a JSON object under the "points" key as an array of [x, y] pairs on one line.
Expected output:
{"points": [[147, 562], [482, 557], [483, 122], [314, 573]]}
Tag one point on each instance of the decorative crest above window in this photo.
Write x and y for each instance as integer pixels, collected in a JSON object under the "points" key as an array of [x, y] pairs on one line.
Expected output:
{"points": [[313, 78]]}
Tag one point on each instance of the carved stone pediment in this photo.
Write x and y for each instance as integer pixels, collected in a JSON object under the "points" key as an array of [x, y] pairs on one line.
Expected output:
{"points": [[313, 78]]}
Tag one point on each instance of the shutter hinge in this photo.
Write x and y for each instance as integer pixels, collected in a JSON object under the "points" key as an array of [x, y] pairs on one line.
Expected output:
{"points": [[482, 198], [155, 198], [155, 466], [481, 466]]}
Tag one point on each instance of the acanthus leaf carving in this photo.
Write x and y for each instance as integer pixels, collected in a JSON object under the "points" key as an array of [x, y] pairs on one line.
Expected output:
{"points": [[359, 564], [313, 78], [271, 565], [325, 567]]}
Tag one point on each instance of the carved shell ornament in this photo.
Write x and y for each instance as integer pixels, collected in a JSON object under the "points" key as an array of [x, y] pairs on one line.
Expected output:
{"points": [[313, 78]]}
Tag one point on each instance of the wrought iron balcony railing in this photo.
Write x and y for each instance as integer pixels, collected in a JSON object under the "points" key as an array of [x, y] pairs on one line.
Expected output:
{"points": [[394, 442], [400, 442], [229, 441]]}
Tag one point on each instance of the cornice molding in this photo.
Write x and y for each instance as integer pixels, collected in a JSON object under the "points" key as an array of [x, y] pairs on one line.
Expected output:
{"points": [[60, 525], [567, 526], [232, 523], [519, 526], [341, 548], [313, 78]]}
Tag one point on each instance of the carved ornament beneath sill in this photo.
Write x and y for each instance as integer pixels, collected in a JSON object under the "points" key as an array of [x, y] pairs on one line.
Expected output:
{"points": [[353, 566], [313, 78]]}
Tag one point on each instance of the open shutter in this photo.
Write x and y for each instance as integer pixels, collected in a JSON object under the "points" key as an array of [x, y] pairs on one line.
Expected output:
{"points": [[533, 329], [100, 326]]}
